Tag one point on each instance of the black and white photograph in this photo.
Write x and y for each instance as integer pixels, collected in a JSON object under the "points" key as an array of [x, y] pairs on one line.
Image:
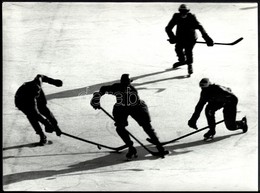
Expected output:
{"points": [[130, 96]]}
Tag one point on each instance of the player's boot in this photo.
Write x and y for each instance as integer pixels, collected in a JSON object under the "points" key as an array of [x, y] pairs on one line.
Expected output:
{"points": [[209, 135], [161, 150], [177, 64], [190, 69], [131, 153], [43, 139], [244, 126]]}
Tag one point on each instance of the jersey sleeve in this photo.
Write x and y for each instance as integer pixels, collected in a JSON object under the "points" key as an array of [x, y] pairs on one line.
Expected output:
{"points": [[202, 101], [111, 89], [170, 26], [42, 78]]}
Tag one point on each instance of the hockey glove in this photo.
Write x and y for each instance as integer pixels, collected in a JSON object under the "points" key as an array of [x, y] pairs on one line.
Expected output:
{"points": [[48, 126], [192, 124], [172, 40], [58, 131], [95, 101], [57, 83], [208, 40], [95, 105]]}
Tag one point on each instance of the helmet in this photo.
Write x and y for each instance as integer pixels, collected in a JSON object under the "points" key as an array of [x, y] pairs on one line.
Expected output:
{"points": [[183, 8], [204, 82], [125, 79]]}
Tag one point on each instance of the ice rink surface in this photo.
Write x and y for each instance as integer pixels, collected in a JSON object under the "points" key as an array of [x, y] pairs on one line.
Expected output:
{"points": [[88, 45]]}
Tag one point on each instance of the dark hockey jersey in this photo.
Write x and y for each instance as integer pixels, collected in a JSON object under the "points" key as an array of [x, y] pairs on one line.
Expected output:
{"points": [[185, 30], [214, 95], [125, 96]]}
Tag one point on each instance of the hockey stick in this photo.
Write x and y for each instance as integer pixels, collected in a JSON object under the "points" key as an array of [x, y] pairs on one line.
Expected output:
{"points": [[171, 141], [94, 143], [151, 152], [227, 44]]}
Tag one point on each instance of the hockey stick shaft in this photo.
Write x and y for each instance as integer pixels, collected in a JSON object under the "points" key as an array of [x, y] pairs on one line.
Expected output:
{"points": [[94, 143], [151, 152], [199, 130], [227, 44]]}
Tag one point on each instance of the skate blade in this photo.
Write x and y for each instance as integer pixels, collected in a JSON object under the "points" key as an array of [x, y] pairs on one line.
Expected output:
{"points": [[131, 158], [49, 142], [208, 138], [162, 155]]}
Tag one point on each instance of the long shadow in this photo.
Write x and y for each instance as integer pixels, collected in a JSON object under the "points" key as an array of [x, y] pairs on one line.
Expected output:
{"points": [[50, 155], [104, 161], [200, 142], [92, 88], [30, 145], [100, 162], [246, 8], [160, 80]]}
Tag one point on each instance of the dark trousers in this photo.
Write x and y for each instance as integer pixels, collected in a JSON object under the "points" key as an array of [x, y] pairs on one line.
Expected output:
{"points": [[184, 51], [229, 113], [32, 115], [140, 114]]}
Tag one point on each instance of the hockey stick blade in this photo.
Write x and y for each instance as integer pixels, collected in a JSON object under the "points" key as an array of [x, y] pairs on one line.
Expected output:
{"points": [[227, 44], [97, 144], [238, 40]]}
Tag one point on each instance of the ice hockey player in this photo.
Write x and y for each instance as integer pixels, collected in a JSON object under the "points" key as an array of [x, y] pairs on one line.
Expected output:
{"points": [[186, 36], [217, 97], [31, 100], [128, 103]]}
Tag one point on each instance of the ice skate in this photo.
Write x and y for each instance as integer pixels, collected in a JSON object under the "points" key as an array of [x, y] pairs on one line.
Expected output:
{"points": [[162, 151], [209, 135], [190, 69], [43, 140], [132, 153], [177, 64], [244, 126]]}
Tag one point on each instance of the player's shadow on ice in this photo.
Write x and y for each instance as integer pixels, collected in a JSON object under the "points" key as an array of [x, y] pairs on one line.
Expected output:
{"points": [[93, 88], [199, 142], [30, 145], [83, 167], [111, 159]]}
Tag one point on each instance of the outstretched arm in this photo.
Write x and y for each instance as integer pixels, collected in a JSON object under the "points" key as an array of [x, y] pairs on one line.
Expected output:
{"points": [[203, 32], [42, 78], [95, 101], [193, 120]]}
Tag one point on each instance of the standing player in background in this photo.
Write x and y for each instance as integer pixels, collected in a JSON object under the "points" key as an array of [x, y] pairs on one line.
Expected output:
{"points": [[185, 37]]}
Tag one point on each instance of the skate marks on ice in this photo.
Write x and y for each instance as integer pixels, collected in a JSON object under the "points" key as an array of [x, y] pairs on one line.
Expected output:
{"points": [[92, 88]]}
